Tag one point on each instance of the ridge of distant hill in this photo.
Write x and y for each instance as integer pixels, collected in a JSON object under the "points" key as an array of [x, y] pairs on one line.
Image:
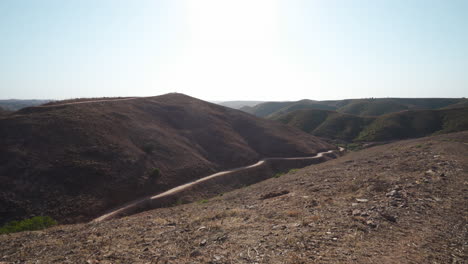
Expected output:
{"points": [[399, 125], [238, 104], [360, 107], [74, 161], [17, 104], [3, 111]]}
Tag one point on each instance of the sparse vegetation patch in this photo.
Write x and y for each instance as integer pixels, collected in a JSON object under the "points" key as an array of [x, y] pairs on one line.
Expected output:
{"points": [[155, 173], [31, 224]]}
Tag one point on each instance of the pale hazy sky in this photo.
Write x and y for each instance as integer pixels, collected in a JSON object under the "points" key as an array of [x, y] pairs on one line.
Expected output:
{"points": [[234, 49]]}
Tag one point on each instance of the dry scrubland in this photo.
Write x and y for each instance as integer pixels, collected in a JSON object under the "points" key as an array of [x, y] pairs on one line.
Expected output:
{"points": [[74, 161], [399, 203]]}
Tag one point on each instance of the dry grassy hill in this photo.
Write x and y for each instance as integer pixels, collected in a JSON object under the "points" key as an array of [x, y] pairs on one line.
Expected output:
{"points": [[74, 161], [401, 125], [360, 107], [399, 203]]}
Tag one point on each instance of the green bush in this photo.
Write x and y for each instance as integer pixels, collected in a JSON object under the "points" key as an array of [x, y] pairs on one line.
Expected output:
{"points": [[279, 174], [31, 224], [148, 148], [155, 173]]}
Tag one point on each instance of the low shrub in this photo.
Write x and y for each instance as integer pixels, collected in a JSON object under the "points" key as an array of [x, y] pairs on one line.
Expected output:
{"points": [[204, 201], [31, 224], [148, 148], [155, 173], [279, 174]]}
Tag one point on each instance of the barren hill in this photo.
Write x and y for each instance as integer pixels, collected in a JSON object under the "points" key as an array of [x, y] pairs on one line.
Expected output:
{"points": [[73, 161], [399, 203]]}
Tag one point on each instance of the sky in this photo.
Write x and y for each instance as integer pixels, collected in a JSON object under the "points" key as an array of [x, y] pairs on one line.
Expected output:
{"points": [[234, 49]]}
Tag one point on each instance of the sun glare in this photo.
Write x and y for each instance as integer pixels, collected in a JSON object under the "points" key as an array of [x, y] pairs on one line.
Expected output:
{"points": [[232, 46]]}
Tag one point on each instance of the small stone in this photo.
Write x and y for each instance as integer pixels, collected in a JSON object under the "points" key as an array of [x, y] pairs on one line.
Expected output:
{"points": [[356, 212], [371, 223], [203, 242], [430, 172], [388, 217], [195, 253], [279, 227], [361, 200], [221, 238], [335, 239]]}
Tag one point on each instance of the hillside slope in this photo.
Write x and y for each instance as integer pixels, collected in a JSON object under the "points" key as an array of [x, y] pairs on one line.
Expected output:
{"points": [[72, 162], [16, 104], [3, 111], [327, 124], [399, 203], [360, 107], [411, 124], [400, 125]]}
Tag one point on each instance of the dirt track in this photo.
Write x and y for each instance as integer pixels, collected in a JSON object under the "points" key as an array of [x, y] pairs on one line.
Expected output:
{"points": [[132, 205], [87, 102]]}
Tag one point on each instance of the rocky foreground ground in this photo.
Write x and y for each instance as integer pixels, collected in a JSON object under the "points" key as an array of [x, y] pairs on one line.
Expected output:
{"points": [[404, 202]]}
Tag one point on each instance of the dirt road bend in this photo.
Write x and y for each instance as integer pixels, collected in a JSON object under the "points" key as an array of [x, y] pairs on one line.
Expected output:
{"points": [[128, 207]]}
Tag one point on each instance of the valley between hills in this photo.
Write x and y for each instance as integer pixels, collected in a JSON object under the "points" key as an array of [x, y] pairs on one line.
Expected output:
{"points": [[156, 176]]}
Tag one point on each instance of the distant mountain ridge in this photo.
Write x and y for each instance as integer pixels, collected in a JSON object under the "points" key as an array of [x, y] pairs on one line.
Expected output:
{"points": [[17, 104], [238, 104], [360, 107]]}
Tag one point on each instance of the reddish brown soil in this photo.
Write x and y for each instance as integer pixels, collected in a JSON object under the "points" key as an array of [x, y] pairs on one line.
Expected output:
{"points": [[403, 202], [73, 162]]}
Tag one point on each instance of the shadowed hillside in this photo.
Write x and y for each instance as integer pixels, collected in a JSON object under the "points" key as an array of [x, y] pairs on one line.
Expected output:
{"points": [[400, 125], [72, 162], [360, 107]]}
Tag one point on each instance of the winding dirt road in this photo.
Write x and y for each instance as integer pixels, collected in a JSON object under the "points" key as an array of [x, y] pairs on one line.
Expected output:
{"points": [[179, 188]]}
